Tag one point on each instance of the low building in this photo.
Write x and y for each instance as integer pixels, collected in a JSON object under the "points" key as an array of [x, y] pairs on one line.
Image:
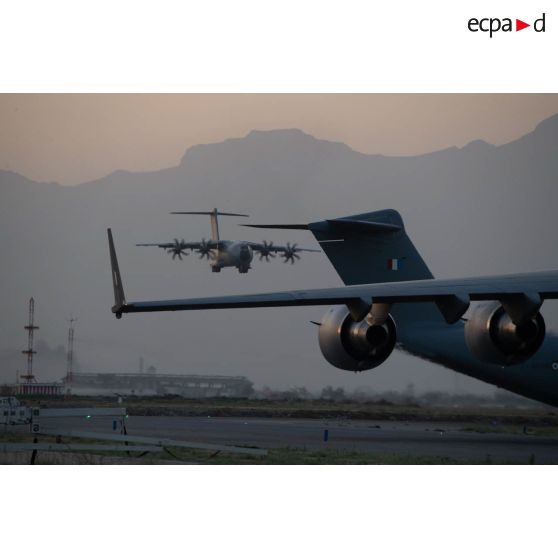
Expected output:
{"points": [[13, 412], [159, 384], [39, 388]]}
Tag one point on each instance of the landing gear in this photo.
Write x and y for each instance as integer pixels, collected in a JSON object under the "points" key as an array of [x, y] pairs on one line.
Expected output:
{"points": [[243, 269], [215, 269]]}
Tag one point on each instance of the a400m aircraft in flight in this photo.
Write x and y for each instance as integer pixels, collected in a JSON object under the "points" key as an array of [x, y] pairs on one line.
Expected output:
{"points": [[390, 299], [228, 253]]}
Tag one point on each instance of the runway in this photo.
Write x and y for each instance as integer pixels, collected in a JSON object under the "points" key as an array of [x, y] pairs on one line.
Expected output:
{"points": [[418, 439]]}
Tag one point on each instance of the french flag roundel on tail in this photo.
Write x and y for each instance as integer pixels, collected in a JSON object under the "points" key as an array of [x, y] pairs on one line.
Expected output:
{"points": [[393, 264]]}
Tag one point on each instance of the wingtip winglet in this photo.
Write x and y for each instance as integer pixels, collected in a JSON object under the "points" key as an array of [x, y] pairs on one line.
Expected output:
{"points": [[119, 298]]}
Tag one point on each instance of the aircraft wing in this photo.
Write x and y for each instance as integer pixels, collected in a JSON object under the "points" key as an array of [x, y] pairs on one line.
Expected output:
{"points": [[545, 284], [185, 245], [263, 247], [288, 252], [521, 293], [160, 245]]}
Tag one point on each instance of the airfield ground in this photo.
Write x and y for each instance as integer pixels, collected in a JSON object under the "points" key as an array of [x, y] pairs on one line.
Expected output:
{"points": [[535, 416], [294, 432]]}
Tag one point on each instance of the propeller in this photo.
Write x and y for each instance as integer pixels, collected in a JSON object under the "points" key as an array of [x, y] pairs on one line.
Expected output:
{"points": [[290, 253], [205, 250], [266, 251], [178, 249]]}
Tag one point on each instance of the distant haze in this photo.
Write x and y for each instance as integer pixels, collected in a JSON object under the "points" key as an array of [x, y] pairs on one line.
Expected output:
{"points": [[479, 209], [75, 138]]}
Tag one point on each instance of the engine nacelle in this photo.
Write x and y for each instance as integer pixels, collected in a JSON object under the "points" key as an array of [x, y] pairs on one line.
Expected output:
{"points": [[351, 345], [492, 337]]}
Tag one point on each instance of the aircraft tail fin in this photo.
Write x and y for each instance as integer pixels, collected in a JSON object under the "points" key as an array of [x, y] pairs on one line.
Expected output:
{"points": [[119, 298], [370, 248], [367, 248], [214, 226]]}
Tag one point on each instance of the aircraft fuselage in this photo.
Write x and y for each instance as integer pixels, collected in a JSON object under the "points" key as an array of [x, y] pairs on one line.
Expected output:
{"points": [[232, 253], [432, 339]]}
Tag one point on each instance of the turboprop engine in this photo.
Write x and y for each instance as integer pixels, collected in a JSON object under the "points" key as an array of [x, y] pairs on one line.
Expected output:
{"points": [[355, 345], [492, 336]]}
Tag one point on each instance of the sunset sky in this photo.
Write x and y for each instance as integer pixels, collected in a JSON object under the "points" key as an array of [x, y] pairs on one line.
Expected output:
{"points": [[75, 138]]}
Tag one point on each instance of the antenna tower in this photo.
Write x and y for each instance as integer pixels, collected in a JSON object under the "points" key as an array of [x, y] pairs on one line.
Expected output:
{"points": [[29, 378], [70, 357]]}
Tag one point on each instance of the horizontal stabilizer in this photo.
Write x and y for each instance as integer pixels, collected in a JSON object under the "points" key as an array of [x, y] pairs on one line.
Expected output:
{"points": [[214, 221], [208, 213], [296, 227]]}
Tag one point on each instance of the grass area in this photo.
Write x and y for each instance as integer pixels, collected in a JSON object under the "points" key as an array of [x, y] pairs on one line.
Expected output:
{"points": [[532, 422], [312, 408], [299, 456], [276, 456]]}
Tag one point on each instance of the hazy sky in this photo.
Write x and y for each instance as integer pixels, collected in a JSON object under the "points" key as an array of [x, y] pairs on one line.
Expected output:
{"points": [[75, 138]]}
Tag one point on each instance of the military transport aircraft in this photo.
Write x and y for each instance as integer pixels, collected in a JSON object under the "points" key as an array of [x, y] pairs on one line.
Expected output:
{"points": [[390, 299], [228, 253]]}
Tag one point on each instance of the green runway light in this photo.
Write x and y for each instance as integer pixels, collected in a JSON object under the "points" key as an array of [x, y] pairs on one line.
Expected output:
{"points": [[87, 416]]}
